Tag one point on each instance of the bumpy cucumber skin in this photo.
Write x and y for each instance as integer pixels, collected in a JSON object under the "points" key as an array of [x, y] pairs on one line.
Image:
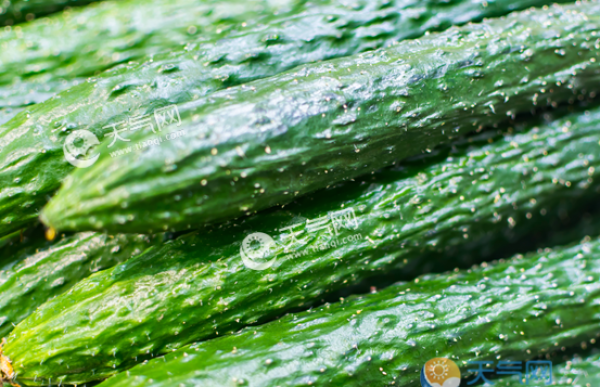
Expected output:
{"points": [[20, 244], [517, 309], [320, 30], [19, 94], [47, 56], [97, 37], [6, 114], [35, 277], [578, 371], [16, 11], [256, 146], [464, 197], [123, 31]]}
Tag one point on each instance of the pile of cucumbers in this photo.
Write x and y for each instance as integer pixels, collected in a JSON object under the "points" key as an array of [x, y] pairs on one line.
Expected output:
{"points": [[299, 193]]}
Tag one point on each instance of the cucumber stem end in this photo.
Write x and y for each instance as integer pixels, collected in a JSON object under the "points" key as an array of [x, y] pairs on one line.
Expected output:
{"points": [[7, 374]]}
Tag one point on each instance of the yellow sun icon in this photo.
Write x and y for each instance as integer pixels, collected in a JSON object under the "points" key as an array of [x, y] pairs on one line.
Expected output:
{"points": [[438, 369], [440, 372]]}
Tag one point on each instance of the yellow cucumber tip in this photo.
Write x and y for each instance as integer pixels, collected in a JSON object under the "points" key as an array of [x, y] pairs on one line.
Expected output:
{"points": [[50, 233]]}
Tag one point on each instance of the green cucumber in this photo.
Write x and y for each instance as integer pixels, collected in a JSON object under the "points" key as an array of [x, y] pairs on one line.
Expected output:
{"points": [[578, 371], [259, 145], [36, 276], [50, 55], [21, 244], [17, 95], [337, 28], [7, 241], [513, 310], [87, 40], [6, 114], [39, 57], [471, 196], [17, 11]]}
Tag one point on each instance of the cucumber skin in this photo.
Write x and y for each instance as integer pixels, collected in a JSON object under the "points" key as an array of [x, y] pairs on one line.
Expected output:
{"points": [[37, 276], [407, 214], [129, 29], [516, 309], [15, 247], [578, 371], [132, 29], [134, 89], [6, 114], [585, 372], [323, 123], [15, 11], [47, 56]]}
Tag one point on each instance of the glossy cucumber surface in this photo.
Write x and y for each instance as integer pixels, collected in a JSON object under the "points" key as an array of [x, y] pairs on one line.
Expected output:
{"points": [[466, 196], [261, 144], [41, 58], [515, 310], [86, 40], [35, 276], [17, 11], [19, 244], [578, 371], [256, 48]]}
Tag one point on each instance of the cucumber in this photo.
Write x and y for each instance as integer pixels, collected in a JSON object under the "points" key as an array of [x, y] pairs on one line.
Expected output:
{"points": [[35, 276], [8, 241], [472, 195], [84, 41], [259, 145], [17, 95], [336, 29], [578, 371], [87, 40], [47, 56], [17, 11], [7, 113], [20, 244], [513, 310]]}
